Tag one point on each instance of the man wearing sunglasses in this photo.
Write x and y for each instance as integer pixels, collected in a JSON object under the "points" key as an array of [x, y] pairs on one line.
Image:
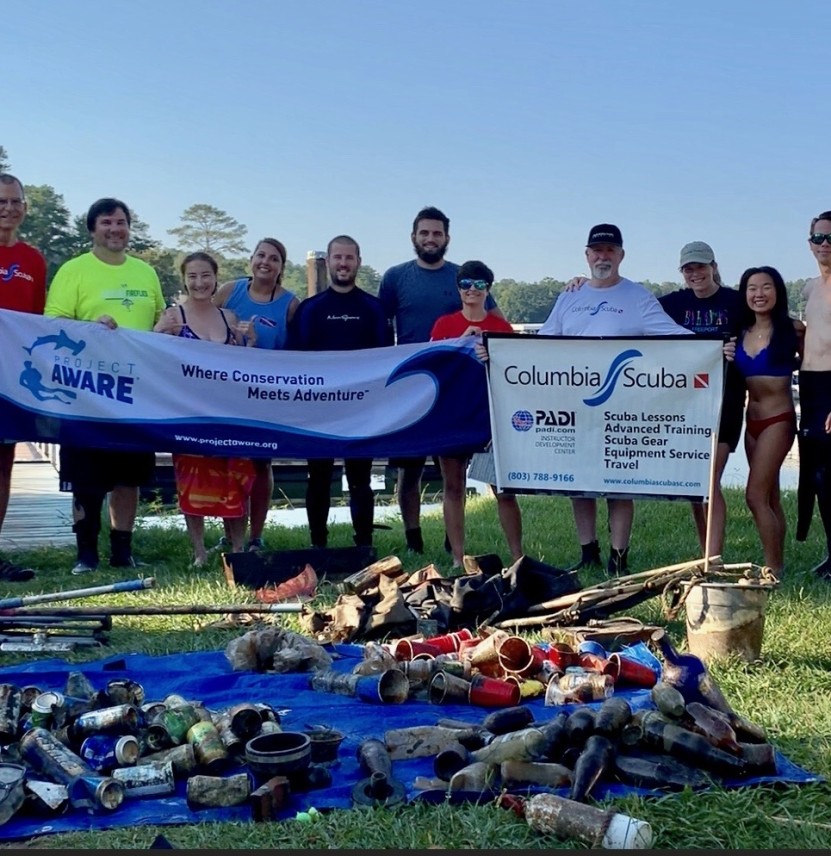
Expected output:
{"points": [[415, 295], [815, 395], [23, 289], [607, 304]]}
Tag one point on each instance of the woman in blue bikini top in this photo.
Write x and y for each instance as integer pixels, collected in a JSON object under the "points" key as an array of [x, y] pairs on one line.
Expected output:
{"points": [[767, 354]]}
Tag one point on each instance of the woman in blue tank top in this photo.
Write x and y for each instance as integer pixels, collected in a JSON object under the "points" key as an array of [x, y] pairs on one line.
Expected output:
{"points": [[766, 356], [261, 303]]}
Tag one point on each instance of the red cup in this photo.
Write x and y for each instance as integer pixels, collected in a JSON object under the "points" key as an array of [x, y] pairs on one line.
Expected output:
{"points": [[407, 649], [631, 672], [517, 657], [493, 692], [562, 655], [450, 642]]}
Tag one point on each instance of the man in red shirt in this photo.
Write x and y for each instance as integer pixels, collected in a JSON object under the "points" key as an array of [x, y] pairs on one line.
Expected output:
{"points": [[22, 288]]}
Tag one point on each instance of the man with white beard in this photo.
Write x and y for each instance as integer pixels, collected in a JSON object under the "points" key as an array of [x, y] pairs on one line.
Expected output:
{"points": [[607, 304]]}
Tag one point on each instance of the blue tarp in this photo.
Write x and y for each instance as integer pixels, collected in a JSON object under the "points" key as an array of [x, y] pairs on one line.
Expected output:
{"points": [[207, 676]]}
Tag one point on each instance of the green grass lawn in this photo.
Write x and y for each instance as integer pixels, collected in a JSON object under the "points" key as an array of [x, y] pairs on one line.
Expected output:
{"points": [[788, 693]]}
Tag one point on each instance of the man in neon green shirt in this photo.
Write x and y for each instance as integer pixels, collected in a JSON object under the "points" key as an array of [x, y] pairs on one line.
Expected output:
{"points": [[110, 287]]}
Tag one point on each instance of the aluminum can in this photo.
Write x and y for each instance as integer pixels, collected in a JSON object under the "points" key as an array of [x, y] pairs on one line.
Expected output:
{"points": [[175, 722], [124, 691], [245, 720], [103, 752], [121, 719], [10, 705], [146, 780], [208, 746], [42, 751], [46, 709]]}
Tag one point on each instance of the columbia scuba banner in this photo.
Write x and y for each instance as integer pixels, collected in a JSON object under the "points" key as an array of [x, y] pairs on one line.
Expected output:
{"points": [[605, 416], [81, 383]]}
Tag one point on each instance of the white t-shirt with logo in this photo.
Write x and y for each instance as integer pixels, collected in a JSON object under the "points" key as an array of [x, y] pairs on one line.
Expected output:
{"points": [[625, 309]]}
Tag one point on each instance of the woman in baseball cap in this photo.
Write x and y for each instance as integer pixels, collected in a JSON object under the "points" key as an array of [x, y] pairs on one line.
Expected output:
{"points": [[707, 307]]}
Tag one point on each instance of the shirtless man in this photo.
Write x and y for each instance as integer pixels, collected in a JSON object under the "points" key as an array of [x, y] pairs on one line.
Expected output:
{"points": [[815, 394]]}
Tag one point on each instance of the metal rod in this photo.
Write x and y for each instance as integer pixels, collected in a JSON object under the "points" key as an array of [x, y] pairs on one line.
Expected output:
{"points": [[127, 585], [190, 609]]}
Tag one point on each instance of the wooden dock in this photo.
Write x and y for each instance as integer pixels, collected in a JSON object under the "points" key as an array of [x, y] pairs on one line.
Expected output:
{"points": [[39, 515]]}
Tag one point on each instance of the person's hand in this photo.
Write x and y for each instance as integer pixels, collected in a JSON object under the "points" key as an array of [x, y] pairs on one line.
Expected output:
{"points": [[729, 349], [245, 332], [482, 353], [828, 424], [576, 283], [473, 330], [107, 321], [170, 322]]}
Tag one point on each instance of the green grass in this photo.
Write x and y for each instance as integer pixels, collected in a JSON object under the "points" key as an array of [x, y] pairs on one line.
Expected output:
{"points": [[789, 692]]}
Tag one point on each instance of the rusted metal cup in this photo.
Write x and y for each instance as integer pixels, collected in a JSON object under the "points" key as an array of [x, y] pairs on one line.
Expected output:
{"points": [[517, 657], [448, 689], [493, 692]]}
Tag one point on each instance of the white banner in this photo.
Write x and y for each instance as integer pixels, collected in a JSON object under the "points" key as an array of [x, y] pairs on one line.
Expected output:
{"points": [[605, 416]]}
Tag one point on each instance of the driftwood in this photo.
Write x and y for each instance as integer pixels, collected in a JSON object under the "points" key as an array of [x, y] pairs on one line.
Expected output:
{"points": [[367, 577]]}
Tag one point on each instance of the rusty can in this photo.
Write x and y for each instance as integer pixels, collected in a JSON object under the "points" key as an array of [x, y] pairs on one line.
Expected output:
{"points": [[78, 686], [103, 752], [267, 712], [245, 720], [124, 691], [146, 780], [120, 719], [175, 722], [586, 686], [27, 695], [174, 700], [43, 752], [208, 746], [45, 709], [10, 704], [181, 757], [270, 727], [234, 744]]}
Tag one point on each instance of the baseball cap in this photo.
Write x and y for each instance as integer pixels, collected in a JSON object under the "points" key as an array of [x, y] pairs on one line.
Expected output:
{"points": [[697, 251], [605, 233]]}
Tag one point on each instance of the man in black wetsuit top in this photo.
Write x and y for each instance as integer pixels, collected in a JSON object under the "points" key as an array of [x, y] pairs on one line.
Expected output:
{"points": [[342, 318]]}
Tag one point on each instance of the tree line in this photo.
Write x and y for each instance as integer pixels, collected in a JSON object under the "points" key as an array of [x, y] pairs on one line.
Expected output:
{"points": [[60, 235]]}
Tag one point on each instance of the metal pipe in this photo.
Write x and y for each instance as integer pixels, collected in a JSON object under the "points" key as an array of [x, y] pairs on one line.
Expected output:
{"points": [[190, 609], [127, 585]]}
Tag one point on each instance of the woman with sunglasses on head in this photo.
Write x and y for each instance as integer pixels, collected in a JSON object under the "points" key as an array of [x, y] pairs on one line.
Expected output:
{"points": [[767, 354], [707, 307], [474, 280], [207, 486], [265, 309]]}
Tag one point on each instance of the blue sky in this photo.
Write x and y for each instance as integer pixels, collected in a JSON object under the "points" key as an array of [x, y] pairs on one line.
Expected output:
{"points": [[526, 122]]}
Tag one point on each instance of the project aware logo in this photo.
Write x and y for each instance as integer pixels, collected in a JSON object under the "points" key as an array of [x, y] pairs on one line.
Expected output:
{"points": [[69, 374], [522, 420]]}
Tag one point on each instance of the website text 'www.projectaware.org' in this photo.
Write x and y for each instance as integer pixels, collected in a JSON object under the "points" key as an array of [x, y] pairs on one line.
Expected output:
{"points": [[226, 441], [652, 482]]}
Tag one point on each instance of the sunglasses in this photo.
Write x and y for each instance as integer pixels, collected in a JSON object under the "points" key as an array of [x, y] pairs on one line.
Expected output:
{"points": [[478, 284], [818, 237]]}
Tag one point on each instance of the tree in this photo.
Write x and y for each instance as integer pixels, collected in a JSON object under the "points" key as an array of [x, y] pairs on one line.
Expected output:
{"points": [[48, 226], [5, 166], [368, 279], [166, 264], [209, 229]]}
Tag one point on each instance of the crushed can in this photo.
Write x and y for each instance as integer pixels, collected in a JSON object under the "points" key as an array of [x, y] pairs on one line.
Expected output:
{"points": [[43, 752], [10, 706], [146, 780]]}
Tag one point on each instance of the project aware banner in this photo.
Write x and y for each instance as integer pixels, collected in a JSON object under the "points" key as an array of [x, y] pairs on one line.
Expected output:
{"points": [[80, 383], [605, 416]]}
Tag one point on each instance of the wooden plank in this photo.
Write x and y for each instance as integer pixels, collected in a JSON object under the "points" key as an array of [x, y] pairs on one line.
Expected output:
{"points": [[39, 515]]}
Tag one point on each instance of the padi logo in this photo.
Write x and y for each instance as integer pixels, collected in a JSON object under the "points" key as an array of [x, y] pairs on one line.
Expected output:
{"points": [[555, 418], [71, 373], [522, 420], [622, 370]]}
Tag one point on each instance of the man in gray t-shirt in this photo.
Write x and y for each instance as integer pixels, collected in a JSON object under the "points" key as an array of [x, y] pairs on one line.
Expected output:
{"points": [[415, 294]]}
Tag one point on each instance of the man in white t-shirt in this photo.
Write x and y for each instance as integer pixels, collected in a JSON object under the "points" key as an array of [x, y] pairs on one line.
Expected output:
{"points": [[607, 304]]}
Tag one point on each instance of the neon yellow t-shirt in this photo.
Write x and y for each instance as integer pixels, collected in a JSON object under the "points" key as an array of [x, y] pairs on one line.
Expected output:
{"points": [[85, 288]]}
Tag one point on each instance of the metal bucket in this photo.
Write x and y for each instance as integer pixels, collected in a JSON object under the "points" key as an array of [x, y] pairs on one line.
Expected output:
{"points": [[726, 619]]}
